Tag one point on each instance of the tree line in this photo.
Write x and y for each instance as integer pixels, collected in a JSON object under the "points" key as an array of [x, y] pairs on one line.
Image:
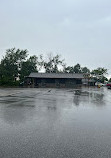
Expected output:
{"points": [[17, 64]]}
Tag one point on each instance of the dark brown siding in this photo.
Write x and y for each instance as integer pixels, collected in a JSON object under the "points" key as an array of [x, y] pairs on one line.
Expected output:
{"points": [[55, 83]]}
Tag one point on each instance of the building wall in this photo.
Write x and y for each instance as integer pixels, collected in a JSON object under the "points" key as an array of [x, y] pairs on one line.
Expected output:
{"points": [[55, 83], [89, 82]]}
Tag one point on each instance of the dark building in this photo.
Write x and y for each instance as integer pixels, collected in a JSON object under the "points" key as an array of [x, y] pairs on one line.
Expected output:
{"points": [[88, 81], [54, 80]]}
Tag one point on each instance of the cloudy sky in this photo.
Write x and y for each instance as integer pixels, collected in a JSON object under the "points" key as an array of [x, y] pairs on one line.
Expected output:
{"points": [[79, 30]]}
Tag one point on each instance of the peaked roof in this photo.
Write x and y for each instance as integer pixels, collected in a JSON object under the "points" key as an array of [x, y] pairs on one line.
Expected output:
{"points": [[56, 75]]}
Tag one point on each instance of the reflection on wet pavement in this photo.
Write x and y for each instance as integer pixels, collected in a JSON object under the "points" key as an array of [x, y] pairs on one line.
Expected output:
{"points": [[55, 123], [90, 97]]}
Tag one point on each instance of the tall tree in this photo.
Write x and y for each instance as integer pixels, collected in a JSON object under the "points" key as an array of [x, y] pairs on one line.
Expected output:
{"points": [[53, 63], [28, 66], [77, 68], [85, 70], [99, 74], [69, 69], [10, 64]]}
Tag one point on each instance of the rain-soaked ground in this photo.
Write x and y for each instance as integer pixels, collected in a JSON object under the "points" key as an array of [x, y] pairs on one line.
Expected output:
{"points": [[55, 123]]}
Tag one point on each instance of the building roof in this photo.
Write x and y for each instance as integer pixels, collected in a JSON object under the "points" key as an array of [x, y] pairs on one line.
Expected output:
{"points": [[56, 75]]}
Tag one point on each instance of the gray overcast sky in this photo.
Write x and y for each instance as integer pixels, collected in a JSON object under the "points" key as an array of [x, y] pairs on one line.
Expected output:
{"points": [[79, 30]]}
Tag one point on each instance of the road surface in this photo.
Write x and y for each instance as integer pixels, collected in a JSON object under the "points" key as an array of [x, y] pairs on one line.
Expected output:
{"points": [[55, 123]]}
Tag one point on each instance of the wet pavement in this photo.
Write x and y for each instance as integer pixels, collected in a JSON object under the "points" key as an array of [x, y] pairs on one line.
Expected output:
{"points": [[55, 123]]}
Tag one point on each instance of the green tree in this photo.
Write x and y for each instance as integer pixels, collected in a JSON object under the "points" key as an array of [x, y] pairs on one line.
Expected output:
{"points": [[9, 67], [85, 70], [103, 79], [77, 68], [53, 63], [99, 74], [28, 66], [69, 69], [110, 80]]}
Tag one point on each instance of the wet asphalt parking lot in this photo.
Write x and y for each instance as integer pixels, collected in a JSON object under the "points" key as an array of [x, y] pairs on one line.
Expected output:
{"points": [[55, 123]]}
